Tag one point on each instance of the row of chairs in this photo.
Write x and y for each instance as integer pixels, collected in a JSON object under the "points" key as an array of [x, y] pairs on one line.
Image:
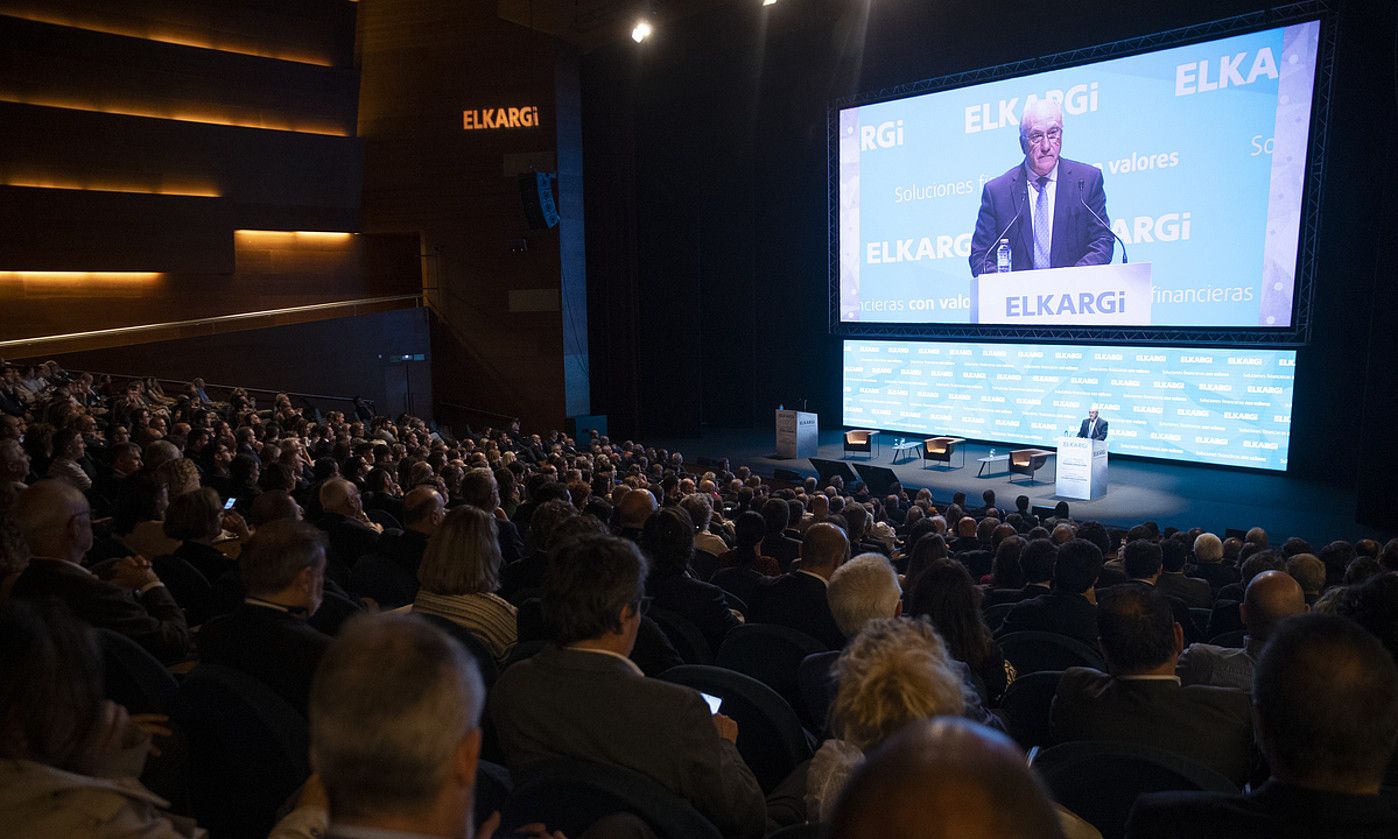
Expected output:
{"points": [[995, 618]]}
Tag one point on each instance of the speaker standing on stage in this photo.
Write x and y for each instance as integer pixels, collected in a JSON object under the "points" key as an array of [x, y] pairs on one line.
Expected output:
{"points": [[1093, 427]]}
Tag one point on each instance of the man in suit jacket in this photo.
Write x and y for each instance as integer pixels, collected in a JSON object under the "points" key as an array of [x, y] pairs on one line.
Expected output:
{"points": [[396, 682], [1042, 205], [776, 543], [1141, 560], [1068, 609], [56, 522], [1195, 592], [268, 637], [1326, 757], [1092, 427], [582, 698], [389, 574], [799, 600], [1142, 702], [350, 532]]}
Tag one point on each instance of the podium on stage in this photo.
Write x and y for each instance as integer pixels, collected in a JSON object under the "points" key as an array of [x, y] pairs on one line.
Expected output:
{"points": [[1079, 295], [798, 434], [1082, 468]]}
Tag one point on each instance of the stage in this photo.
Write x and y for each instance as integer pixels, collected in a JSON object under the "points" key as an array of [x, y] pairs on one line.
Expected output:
{"points": [[1174, 494]]}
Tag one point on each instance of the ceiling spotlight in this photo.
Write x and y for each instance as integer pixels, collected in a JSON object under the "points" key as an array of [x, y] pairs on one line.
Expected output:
{"points": [[769, 2], [641, 32]]}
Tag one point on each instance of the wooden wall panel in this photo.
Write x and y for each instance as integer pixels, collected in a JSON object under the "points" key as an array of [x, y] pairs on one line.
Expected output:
{"points": [[60, 66], [317, 31], [423, 62]]}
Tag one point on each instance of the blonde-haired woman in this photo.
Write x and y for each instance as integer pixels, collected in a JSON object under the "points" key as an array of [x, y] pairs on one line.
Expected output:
{"points": [[459, 575], [895, 671]]}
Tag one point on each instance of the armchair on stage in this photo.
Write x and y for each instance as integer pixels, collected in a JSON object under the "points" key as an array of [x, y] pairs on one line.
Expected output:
{"points": [[862, 440], [1028, 461], [940, 450]]}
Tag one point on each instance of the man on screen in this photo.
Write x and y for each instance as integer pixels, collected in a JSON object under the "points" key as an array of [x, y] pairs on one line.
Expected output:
{"points": [[1092, 427], [1042, 206]]}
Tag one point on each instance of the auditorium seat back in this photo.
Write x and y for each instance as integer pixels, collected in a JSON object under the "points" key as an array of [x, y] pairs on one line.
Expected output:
{"points": [[772, 655], [1030, 652]]}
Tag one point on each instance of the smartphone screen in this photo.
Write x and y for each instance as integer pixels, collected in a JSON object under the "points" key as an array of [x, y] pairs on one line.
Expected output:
{"points": [[228, 505], [714, 702]]}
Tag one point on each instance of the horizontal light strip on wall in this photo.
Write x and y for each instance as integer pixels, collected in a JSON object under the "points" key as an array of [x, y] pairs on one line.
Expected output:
{"points": [[292, 236], [97, 185], [213, 323], [152, 31], [174, 112], [81, 276]]}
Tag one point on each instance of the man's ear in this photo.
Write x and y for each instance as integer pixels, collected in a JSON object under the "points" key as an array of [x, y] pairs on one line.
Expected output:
{"points": [[467, 758], [1179, 639]]}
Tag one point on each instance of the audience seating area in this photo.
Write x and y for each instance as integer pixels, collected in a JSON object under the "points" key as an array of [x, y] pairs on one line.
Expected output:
{"points": [[180, 514]]}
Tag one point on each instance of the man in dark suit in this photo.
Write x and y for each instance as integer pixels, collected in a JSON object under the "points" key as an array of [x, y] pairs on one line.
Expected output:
{"points": [[350, 532], [1092, 427], [479, 489], [668, 541], [1042, 205], [582, 698], [1142, 561], [799, 600], [1195, 592], [1036, 561], [1141, 701], [1068, 609], [1325, 704], [776, 543], [388, 575], [268, 637], [56, 523]]}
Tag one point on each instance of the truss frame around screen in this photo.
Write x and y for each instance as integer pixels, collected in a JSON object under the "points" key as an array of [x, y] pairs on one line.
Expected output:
{"points": [[1298, 334]]}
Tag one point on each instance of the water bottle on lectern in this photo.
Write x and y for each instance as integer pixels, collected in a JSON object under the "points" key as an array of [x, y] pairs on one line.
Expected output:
{"points": [[1004, 262]]}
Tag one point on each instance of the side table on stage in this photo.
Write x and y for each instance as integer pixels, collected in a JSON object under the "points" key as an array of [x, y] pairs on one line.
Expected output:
{"points": [[905, 447]]}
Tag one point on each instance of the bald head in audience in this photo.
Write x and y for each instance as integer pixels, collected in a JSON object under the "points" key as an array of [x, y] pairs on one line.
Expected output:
{"points": [[1270, 597], [824, 549], [338, 495], [946, 778], [55, 521], [635, 508], [423, 509]]}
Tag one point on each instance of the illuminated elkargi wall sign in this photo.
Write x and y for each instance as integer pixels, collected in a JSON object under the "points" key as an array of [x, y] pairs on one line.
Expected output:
{"points": [[485, 119]]}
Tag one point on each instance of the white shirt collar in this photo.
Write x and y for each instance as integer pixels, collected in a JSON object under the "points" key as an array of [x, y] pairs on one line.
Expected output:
{"points": [[1034, 176], [823, 581]]}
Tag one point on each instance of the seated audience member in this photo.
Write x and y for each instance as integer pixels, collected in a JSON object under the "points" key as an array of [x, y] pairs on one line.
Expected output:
{"points": [[701, 511], [272, 506], [56, 523], [527, 575], [1227, 615], [1142, 563], [1035, 567], [775, 543], [929, 548], [1327, 756], [459, 576], [1070, 609], [69, 450], [14, 464], [1271, 596], [864, 589], [404, 687], [668, 543], [268, 636], [1140, 699], [946, 595], [69, 760], [388, 576], [941, 779], [138, 523], [1195, 592], [197, 519], [1373, 605], [581, 697], [799, 599], [125, 462], [749, 530], [351, 534], [892, 673], [633, 510], [1309, 573], [479, 490], [1005, 574]]}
